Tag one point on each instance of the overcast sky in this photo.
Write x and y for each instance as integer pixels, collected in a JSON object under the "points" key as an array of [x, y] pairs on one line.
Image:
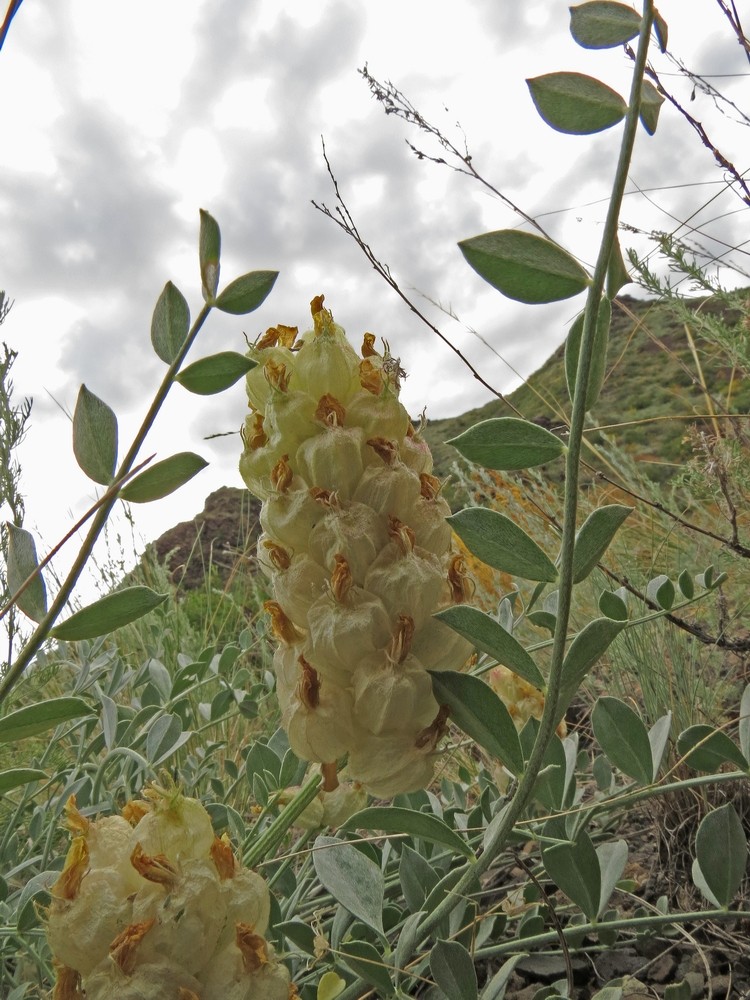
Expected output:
{"points": [[121, 119]]}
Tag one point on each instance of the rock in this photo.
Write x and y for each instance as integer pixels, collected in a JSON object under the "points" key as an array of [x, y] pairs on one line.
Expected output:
{"points": [[225, 530]]}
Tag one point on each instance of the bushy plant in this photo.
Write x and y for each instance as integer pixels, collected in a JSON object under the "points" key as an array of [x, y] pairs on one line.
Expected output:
{"points": [[514, 850]]}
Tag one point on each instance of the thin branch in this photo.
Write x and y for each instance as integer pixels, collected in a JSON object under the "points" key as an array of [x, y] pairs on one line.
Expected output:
{"points": [[718, 156], [343, 219], [734, 19], [396, 103], [11, 13]]}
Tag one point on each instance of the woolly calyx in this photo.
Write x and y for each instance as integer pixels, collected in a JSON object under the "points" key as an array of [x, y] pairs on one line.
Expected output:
{"points": [[157, 928], [355, 544]]}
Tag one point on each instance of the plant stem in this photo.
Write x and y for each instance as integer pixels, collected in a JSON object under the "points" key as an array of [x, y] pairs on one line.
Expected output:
{"points": [[34, 643], [497, 838]]}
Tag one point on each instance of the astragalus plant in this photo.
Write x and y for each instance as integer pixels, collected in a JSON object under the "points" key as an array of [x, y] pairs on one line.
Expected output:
{"points": [[359, 554]]}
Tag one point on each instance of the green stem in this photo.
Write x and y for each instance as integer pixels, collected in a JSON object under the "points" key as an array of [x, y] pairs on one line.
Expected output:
{"points": [[271, 837], [34, 643], [496, 839], [635, 924]]}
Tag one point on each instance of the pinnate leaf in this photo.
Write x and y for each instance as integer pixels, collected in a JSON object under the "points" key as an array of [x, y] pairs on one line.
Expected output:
{"points": [[476, 709], [209, 255], [453, 970], [602, 24], [594, 537], [18, 776], [245, 294], [108, 613], [612, 605], [525, 267], [22, 562], [366, 961], [575, 103], [163, 477], [612, 859], [706, 749], [499, 542], [651, 102], [508, 443], [623, 737], [215, 373], [575, 869], [352, 879], [170, 323], [395, 819], [94, 437], [721, 853], [489, 636], [35, 719], [587, 647]]}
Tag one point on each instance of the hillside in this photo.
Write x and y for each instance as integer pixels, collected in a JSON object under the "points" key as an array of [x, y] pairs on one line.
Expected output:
{"points": [[651, 383]]}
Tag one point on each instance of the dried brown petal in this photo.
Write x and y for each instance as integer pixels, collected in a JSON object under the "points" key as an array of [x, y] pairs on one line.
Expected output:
{"points": [[329, 411], [76, 866], [254, 948], [124, 948]]}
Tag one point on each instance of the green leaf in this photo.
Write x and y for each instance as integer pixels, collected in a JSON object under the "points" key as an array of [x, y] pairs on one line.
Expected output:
{"points": [[170, 323], [594, 537], [686, 585], [22, 562], [366, 961], [495, 988], [209, 254], [651, 102], [108, 613], [18, 776], [601, 24], [351, 878], [524, 267], [661, 30], [661, 591], [245, 294], [330, 986], [617, 273], [598, 363], [165, 737], [612, 859], [721, 853], [453, 970], [35, 719], [491, 638], [499, 542], [575, 103], [575, 869], [508, 443], [613, 606], [215, 373], [587, 647], [394, 819], [744, 724], [476, 709], [658, 735], [163, 478], [715, 749], [624, 739], [94, 437], [417, 878]]}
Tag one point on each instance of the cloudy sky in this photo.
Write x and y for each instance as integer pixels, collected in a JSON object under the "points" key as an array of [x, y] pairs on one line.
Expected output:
{"points": [[121, 119]]}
